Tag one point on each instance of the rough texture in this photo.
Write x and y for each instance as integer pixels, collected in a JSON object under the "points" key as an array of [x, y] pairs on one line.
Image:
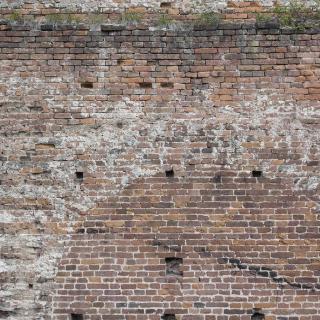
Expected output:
{"points": [[185, 6], [90, 5], [124, 149]]}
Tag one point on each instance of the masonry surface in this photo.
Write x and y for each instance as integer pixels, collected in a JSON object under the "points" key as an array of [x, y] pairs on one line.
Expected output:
{"points": [[159, 174]]}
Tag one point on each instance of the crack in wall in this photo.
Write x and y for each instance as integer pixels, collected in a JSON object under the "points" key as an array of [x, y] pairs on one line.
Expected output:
{"points": [[268, 273], [262, 271]]}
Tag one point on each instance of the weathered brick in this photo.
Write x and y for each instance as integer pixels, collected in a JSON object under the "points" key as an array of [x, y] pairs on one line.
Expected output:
{"points": [[159, 172]]}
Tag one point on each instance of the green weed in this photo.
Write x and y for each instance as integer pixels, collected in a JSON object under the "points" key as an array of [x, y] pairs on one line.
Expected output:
{"points": [[164, 21], [15, 16], [297, 15], [63, 18], [131, 17], [208, 19]]}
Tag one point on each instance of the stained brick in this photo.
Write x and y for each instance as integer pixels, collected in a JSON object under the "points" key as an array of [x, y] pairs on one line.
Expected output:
{"points": [[152, 174]]}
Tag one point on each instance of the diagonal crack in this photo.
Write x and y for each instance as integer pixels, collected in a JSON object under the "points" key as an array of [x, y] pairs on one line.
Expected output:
{"points": [[268, 273], [258, 270]]}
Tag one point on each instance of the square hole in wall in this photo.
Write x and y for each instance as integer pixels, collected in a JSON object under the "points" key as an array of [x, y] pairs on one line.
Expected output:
{"points": [[169, 316], [256, 173], [170, 173], [257, 316], [79, 175], [173, 266], [145, 85], [87, 84], [120, 62], [167, 85], [119, 124], [165, 5], [77, 316]]}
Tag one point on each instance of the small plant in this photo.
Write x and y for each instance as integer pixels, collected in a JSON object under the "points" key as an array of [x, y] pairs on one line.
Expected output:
{"points": [[73, 19], [164, 21], [55, 18], [208, 19], [15, 16], [96, 18], [131, 17], [291, 15], [297, 14], [61, 18], [264, 17]]}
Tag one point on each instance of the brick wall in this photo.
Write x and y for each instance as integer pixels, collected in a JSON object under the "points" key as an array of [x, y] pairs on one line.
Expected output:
{"points": [[157, 174], [120, 5]]}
